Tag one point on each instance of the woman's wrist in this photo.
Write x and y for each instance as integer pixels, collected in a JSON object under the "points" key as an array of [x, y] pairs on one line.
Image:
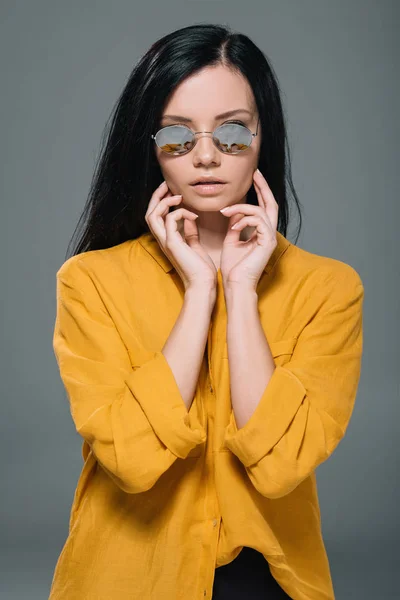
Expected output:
{"points": [[203, 295]]}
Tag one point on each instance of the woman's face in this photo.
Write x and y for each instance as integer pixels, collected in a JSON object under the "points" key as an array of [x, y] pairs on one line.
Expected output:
{"points": [[202, 97]]}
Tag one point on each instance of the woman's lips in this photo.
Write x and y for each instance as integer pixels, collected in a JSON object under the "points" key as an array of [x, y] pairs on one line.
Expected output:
{"points": [[208, 188]]}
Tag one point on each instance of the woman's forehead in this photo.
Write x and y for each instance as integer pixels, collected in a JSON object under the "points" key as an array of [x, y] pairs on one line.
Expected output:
{"points": [[210, 93]]}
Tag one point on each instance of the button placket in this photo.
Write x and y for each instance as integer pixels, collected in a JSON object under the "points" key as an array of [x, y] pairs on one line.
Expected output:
{"points": [[210, 386]]}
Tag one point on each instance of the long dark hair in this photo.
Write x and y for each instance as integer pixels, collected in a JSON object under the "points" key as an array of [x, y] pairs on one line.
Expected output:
{"points": [[127, 171]]}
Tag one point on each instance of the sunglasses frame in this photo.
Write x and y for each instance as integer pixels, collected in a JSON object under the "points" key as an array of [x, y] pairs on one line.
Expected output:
{"points": [[195, 133]]}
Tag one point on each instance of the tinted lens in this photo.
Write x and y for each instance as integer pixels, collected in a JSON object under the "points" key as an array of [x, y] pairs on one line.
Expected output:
{"points": [[178, 139], [232, 138], [175, 139]]}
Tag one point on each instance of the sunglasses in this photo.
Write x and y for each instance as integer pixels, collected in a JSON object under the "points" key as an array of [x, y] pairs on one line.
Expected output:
{"points": [[229, 138]]}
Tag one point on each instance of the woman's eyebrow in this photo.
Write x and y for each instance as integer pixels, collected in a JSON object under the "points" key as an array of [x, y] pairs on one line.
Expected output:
{"points": [[229, 113]]}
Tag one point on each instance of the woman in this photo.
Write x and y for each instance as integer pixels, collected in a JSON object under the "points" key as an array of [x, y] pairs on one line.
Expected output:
{"points": [[209, 369]]}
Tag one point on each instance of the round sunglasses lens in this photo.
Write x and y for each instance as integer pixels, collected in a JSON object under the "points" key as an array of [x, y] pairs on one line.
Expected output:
{"points": [[232, 138], [175, 139]]}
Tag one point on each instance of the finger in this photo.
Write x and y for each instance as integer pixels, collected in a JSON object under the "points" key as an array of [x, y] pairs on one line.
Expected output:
{"points": [[260, 198], [156, 216], [155, 199], [262, 183], [232, 235], [164, 205], [191, 233], [271, 206], [171, 223], [245, 209], [253, 221], [157, 196], [234, 213], [261, 235]]}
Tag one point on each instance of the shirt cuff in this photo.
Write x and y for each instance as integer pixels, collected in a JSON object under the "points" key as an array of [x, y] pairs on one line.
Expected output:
{"points": [[272, 416], [155, 389]]}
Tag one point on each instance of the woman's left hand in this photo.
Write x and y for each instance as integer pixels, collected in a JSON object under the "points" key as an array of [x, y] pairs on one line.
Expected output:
{"points": [[244, 261]]}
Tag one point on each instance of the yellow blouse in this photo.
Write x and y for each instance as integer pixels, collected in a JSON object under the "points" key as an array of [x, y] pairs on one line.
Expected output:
{"points": [[165, 495]]}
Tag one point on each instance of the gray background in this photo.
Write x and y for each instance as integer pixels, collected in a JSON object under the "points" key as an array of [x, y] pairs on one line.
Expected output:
{"points": [[63, 66]]}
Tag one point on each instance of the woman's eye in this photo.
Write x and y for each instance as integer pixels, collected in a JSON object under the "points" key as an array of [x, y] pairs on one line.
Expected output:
{"points": [[225, 123], [237, 122]]}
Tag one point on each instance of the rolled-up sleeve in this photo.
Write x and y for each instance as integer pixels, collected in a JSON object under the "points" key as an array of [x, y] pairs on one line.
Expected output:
{"points": [[307, 405], [135, 420]]}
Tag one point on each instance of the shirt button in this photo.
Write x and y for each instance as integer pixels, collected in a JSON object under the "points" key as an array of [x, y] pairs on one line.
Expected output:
{"points": [[215, 522]]}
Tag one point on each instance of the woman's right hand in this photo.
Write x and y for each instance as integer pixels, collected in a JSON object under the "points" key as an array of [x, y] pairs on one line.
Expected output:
{"points": [[192, 262]]}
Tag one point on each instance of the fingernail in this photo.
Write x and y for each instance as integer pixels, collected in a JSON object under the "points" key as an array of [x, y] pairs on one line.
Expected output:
{"points": [[258, 171], [222, 209]]}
